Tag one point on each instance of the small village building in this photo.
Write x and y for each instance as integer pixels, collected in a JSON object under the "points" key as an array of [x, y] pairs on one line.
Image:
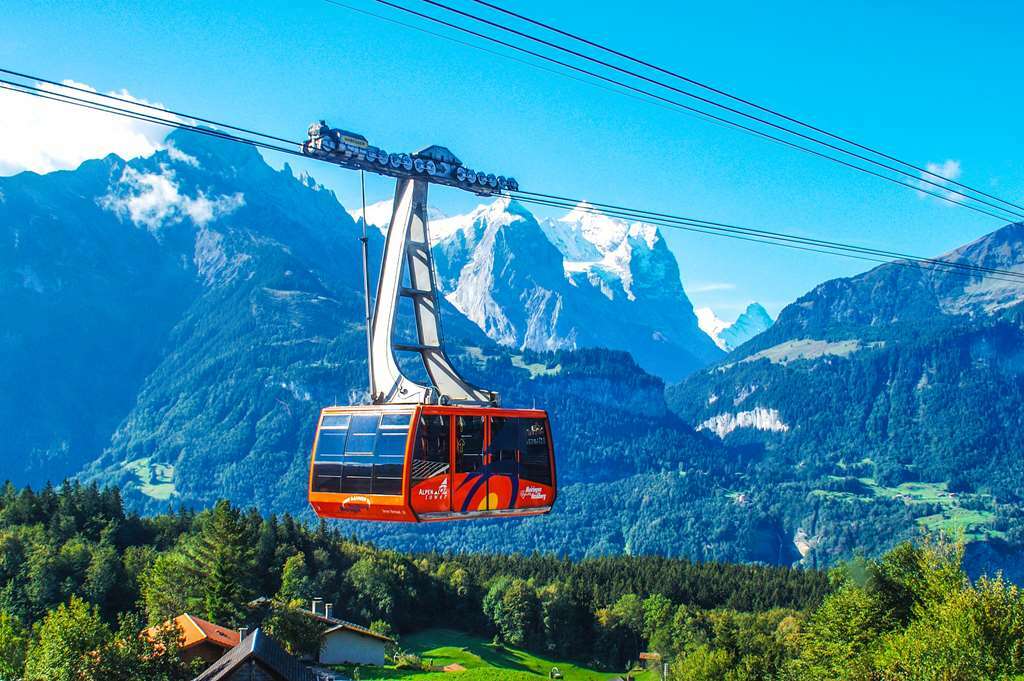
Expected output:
{"points": [[348, 643], [344, 642], [258, 658], [201, 639]]}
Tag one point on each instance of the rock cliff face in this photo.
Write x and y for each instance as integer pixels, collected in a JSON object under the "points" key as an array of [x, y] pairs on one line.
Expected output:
{"points": [[581, 281]]}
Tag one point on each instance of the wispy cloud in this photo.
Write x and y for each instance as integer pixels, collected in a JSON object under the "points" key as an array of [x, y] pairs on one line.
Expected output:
{"points": [[152, 200], [949, 169], [710, 287], [43, 135]]}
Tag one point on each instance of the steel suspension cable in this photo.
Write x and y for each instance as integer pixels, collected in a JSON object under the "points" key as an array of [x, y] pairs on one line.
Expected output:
{"points": [[944, 267], [551, 200], [711, 102], [755, 131], [736, 98], [644, 215]]}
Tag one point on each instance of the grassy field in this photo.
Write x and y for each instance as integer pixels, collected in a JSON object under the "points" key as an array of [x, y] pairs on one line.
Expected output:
{"points": [[155, 480], [483, 662], [951, 519]]}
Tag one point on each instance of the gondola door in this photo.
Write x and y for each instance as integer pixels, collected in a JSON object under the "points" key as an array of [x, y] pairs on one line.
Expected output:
{"points": [[431, 486], [502, 462], [471, 491]]}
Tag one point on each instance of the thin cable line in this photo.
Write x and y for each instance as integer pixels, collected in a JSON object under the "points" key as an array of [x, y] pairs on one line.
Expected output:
{"points": [[1001, 218], [741, 100], [534, 65], [642, 215], [941, 266], [148, 118], [147, 106], [689, 224], [709, 101]]}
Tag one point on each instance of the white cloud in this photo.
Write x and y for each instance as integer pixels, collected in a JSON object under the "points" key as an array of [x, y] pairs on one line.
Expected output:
{"points": [[710, 287], [180, 156], [949, 169], [152, 200], [42, 135]]}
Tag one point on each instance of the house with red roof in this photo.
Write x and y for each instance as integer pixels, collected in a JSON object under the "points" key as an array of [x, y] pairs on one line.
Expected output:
{"points": [[203, 640]]}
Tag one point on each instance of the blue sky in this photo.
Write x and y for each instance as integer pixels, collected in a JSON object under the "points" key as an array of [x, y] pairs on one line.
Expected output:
{"points": [[929, 82]]}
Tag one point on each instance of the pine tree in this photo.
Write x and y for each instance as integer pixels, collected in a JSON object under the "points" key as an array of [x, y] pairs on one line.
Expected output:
{"points": [[223, 561]]}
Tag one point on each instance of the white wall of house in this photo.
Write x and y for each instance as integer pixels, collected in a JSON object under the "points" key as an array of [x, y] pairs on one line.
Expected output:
{"points": [[343, 646]]}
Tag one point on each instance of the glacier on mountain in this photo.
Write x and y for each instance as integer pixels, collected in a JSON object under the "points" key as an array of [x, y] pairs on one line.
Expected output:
{"points": [[583, 280]]}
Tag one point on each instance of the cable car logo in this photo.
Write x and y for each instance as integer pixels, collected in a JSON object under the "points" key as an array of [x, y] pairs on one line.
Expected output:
{"points": [[533, 493], [354, 503], [436, 493]]}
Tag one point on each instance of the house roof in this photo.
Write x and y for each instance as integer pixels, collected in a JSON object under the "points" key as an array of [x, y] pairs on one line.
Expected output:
{"points": [[266, 652], [195, 631], [342, 625]]}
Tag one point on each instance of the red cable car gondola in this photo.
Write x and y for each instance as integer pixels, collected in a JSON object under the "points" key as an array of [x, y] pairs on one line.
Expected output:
{"points": [[428, 463], [423, 451]]}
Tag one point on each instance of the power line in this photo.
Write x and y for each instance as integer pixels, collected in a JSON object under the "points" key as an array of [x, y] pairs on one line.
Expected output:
{"points": [[783, 240], [125, 100], [646, 215], [736, 98], [711, 102], [729, 122], [651, 217]]}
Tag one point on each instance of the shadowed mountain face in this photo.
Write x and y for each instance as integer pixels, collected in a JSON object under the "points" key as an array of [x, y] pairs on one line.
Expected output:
{"points": [[178, 321], [175, 323], [902, 383]]}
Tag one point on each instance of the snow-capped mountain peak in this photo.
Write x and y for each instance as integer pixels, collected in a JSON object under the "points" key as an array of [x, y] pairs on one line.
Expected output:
{"points": [[557, 284], [711, 324], [752, 321], [586, 235]]}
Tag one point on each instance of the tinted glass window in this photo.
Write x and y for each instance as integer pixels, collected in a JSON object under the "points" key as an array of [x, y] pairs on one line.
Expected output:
{"points": [[327, 477], [432, 454], [365, 424], [395, 420], [357, 477], [391, 444], [470, 442], [336, 421], [504, 438], [362, 435], [535, 451], [361, 453], [331, 443], [387, 478]]}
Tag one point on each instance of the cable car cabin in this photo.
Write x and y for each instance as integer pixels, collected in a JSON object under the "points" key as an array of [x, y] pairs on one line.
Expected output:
{"points": [[427, 463]]}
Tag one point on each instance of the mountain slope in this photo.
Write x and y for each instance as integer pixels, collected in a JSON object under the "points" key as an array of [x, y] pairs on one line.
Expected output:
{"points": [[225, 298], [901, 383]]}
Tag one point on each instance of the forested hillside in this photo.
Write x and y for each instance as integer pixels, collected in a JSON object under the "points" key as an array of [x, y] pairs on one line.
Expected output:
{"points": [[177, 321], [79, 575], [882, 403], [220, 310]]}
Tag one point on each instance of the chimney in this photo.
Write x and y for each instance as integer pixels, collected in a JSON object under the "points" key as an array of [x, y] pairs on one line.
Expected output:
{"points": [[242, 633], [328, 610], [317, 602]]}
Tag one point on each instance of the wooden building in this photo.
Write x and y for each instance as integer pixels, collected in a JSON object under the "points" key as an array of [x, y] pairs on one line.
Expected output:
{"points": [[257, 658]]}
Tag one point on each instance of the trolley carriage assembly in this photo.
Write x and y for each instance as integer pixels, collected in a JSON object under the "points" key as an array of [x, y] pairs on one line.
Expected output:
{"points": [[441, 451]]}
